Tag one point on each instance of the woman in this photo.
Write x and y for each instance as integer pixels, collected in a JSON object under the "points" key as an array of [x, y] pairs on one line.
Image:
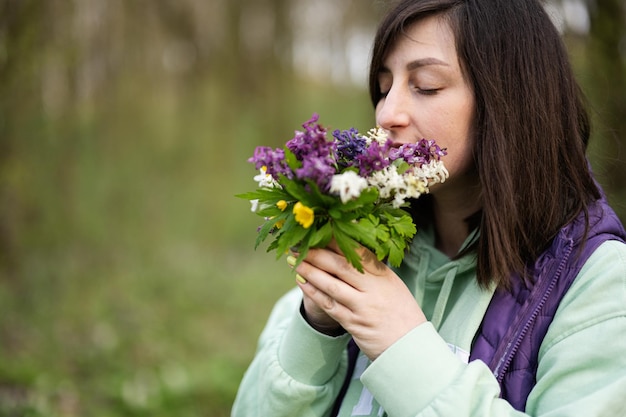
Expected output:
{"points": [[512, 297]]}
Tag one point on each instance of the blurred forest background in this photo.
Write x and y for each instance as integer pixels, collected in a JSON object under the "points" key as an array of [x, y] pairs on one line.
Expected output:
{"points": [[128, 281]]}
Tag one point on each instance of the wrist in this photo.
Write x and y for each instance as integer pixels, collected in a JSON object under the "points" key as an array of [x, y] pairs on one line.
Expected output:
{"points": [[331, 329]]}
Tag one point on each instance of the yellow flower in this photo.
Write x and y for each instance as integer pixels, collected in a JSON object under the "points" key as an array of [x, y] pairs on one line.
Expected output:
{"points": [[304, 215], [282, 205]]}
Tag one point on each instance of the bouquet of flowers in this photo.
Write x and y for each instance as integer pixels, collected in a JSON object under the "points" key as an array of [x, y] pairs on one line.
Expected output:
{"points": [[351, 188]]}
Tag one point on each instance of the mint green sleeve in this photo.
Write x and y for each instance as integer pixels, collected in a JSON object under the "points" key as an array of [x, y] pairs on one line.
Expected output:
{"points": [[581, 371], [296, 370]]}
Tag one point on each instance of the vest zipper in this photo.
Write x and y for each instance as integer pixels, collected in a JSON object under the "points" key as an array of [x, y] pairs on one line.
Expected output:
{"points": [[509, 353]]}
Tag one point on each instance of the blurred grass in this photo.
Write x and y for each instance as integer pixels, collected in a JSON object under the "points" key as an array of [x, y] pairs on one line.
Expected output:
{"points": [[135, 288]]}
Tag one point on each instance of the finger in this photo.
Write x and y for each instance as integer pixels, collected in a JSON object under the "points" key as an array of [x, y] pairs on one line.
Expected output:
{"points": [[332, 245], [333, 264], [369, 260], [330, 305], [325, 282], [338, 266]]}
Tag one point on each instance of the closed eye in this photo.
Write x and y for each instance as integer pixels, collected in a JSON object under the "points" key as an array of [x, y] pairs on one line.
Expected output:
{"points": [[428, 91]]}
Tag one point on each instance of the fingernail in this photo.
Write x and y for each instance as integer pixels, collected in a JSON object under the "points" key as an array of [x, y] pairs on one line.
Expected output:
{"points": [[291, 260], [300, 279]]}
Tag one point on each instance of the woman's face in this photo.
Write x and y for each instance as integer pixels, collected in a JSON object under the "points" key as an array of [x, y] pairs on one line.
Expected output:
{"points": [[424, 95]]}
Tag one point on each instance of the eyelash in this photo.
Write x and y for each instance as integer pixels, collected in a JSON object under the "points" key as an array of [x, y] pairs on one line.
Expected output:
{"points": [[428, 91], [425, 92]]}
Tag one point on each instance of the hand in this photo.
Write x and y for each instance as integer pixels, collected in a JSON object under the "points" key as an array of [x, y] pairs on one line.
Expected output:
{"points": [[375, 306]]}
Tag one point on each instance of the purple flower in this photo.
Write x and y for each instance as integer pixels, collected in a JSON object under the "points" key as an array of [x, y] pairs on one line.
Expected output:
{"points": [[312, 142], [318, 169], [408, 152], [349, 146], [429, 150], [374, 158], [418, 153], [273, 160]]}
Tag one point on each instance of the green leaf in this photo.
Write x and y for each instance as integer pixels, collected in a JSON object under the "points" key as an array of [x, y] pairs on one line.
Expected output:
{"points": [[363, 232], [368, 197], [382, 233], [396, 253], [302, 252], [291, 159], [348, 246], [372, 234], [252, 195], [322, 199], [290, 235], [272, 246], [264, 232], [269, 211], [401, 165], [265, 195], [297, 191], [392, 211], [321, 237], [335, 213], [402, 226]]}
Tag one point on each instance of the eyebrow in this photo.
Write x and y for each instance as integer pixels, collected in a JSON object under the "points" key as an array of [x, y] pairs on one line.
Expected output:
{"points": [[418, 63]]}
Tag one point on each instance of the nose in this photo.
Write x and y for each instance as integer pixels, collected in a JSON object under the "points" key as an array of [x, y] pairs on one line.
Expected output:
{"points": [[392, 112]]}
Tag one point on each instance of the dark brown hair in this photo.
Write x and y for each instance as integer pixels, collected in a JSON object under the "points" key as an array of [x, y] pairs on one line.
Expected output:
{"points": [[531, 125]]}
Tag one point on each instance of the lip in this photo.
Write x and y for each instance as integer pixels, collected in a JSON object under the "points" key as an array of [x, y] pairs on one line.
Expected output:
{"points": [[397, 142], [402, 136]]}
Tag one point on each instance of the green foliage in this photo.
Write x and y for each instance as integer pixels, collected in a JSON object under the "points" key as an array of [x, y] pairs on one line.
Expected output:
{"points": [[135, 288], [362, 221], [128, 281]]}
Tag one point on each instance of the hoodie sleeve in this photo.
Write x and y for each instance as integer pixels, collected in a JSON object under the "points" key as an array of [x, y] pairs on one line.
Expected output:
{"points": [[581, 372], [296, 370]]}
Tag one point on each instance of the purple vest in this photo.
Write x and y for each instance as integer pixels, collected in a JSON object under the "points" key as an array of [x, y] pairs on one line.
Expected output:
{"points": [[516, 321]]}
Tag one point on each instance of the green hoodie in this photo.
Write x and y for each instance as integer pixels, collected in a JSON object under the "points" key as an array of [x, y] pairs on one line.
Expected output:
{"points": [[582, 367]]}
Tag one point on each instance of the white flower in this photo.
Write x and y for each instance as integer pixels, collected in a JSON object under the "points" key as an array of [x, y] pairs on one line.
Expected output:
{"points": [[415, 186], [399, 200], [397, 188], [388, 181], [378, 134], [265, 180], [433, 173], [348, 185]]}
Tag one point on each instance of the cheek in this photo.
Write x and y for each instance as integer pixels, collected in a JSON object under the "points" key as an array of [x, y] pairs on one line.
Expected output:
{"points": [[452, 117], [459, 125], [459, 158], [460, 114], [459, 141]]}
